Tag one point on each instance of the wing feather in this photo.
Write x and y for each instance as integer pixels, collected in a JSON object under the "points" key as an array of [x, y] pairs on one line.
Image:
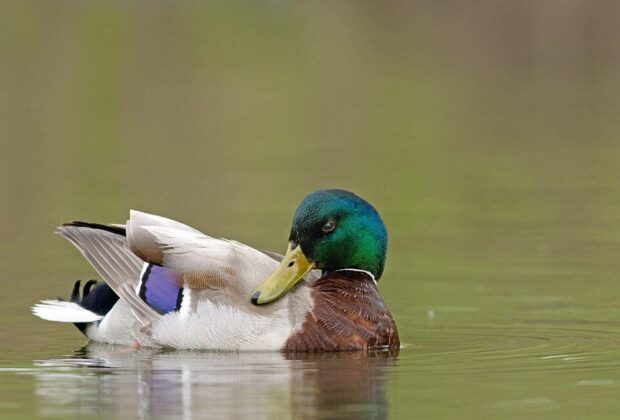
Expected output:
{"points": [[206, 262], [141, 242], [109, 254]]}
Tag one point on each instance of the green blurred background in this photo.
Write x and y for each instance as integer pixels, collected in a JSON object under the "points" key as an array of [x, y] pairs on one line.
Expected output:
{"points": [[485, 133]]}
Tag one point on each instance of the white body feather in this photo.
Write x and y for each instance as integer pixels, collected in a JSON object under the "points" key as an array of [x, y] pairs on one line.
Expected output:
{"points": [[222, 327], [119, 326]]}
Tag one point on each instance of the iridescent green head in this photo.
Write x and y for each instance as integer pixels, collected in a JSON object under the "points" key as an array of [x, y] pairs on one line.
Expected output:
{"points": [[336, 229], [332, 230]]}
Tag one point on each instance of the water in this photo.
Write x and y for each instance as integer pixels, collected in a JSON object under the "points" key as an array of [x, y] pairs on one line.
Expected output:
{"points": [[486, 136], [103, 381]]}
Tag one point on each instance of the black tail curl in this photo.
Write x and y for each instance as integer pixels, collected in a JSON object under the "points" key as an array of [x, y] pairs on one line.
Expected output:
{"points": [[96, 297]]}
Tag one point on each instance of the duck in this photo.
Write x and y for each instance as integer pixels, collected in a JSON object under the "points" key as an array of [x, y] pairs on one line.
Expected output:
{"points": [[168, 285]]}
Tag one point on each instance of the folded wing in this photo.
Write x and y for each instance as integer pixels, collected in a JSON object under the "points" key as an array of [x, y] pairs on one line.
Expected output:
{"points": [[201, 261]]}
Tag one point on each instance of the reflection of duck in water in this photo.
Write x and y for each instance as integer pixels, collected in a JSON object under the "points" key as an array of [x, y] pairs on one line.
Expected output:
{"points": [[185, 383], [351, 385], [180, 288]]}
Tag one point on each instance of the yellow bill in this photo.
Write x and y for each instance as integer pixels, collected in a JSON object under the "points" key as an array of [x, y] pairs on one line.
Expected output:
{"points": [[292, 268]]}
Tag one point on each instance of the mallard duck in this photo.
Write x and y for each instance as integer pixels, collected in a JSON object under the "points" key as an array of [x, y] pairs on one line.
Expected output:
{"points": [[169, 285]]}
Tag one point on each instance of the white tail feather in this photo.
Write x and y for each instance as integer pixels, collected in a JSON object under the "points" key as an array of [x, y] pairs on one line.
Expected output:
{"points": [[61, 311]]}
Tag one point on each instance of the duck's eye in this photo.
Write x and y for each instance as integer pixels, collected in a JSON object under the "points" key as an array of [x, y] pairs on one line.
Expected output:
{"points": [[328, 227]]}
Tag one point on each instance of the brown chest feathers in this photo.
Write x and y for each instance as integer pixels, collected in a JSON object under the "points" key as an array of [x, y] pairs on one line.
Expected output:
{"points": [[348, 314]]}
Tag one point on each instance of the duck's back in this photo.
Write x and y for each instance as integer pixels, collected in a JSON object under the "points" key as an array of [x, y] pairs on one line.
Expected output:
{"points": [[347, 314]]}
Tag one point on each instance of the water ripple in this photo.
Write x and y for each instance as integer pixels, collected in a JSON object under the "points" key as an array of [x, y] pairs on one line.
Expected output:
{"points": [[483, 348]]}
